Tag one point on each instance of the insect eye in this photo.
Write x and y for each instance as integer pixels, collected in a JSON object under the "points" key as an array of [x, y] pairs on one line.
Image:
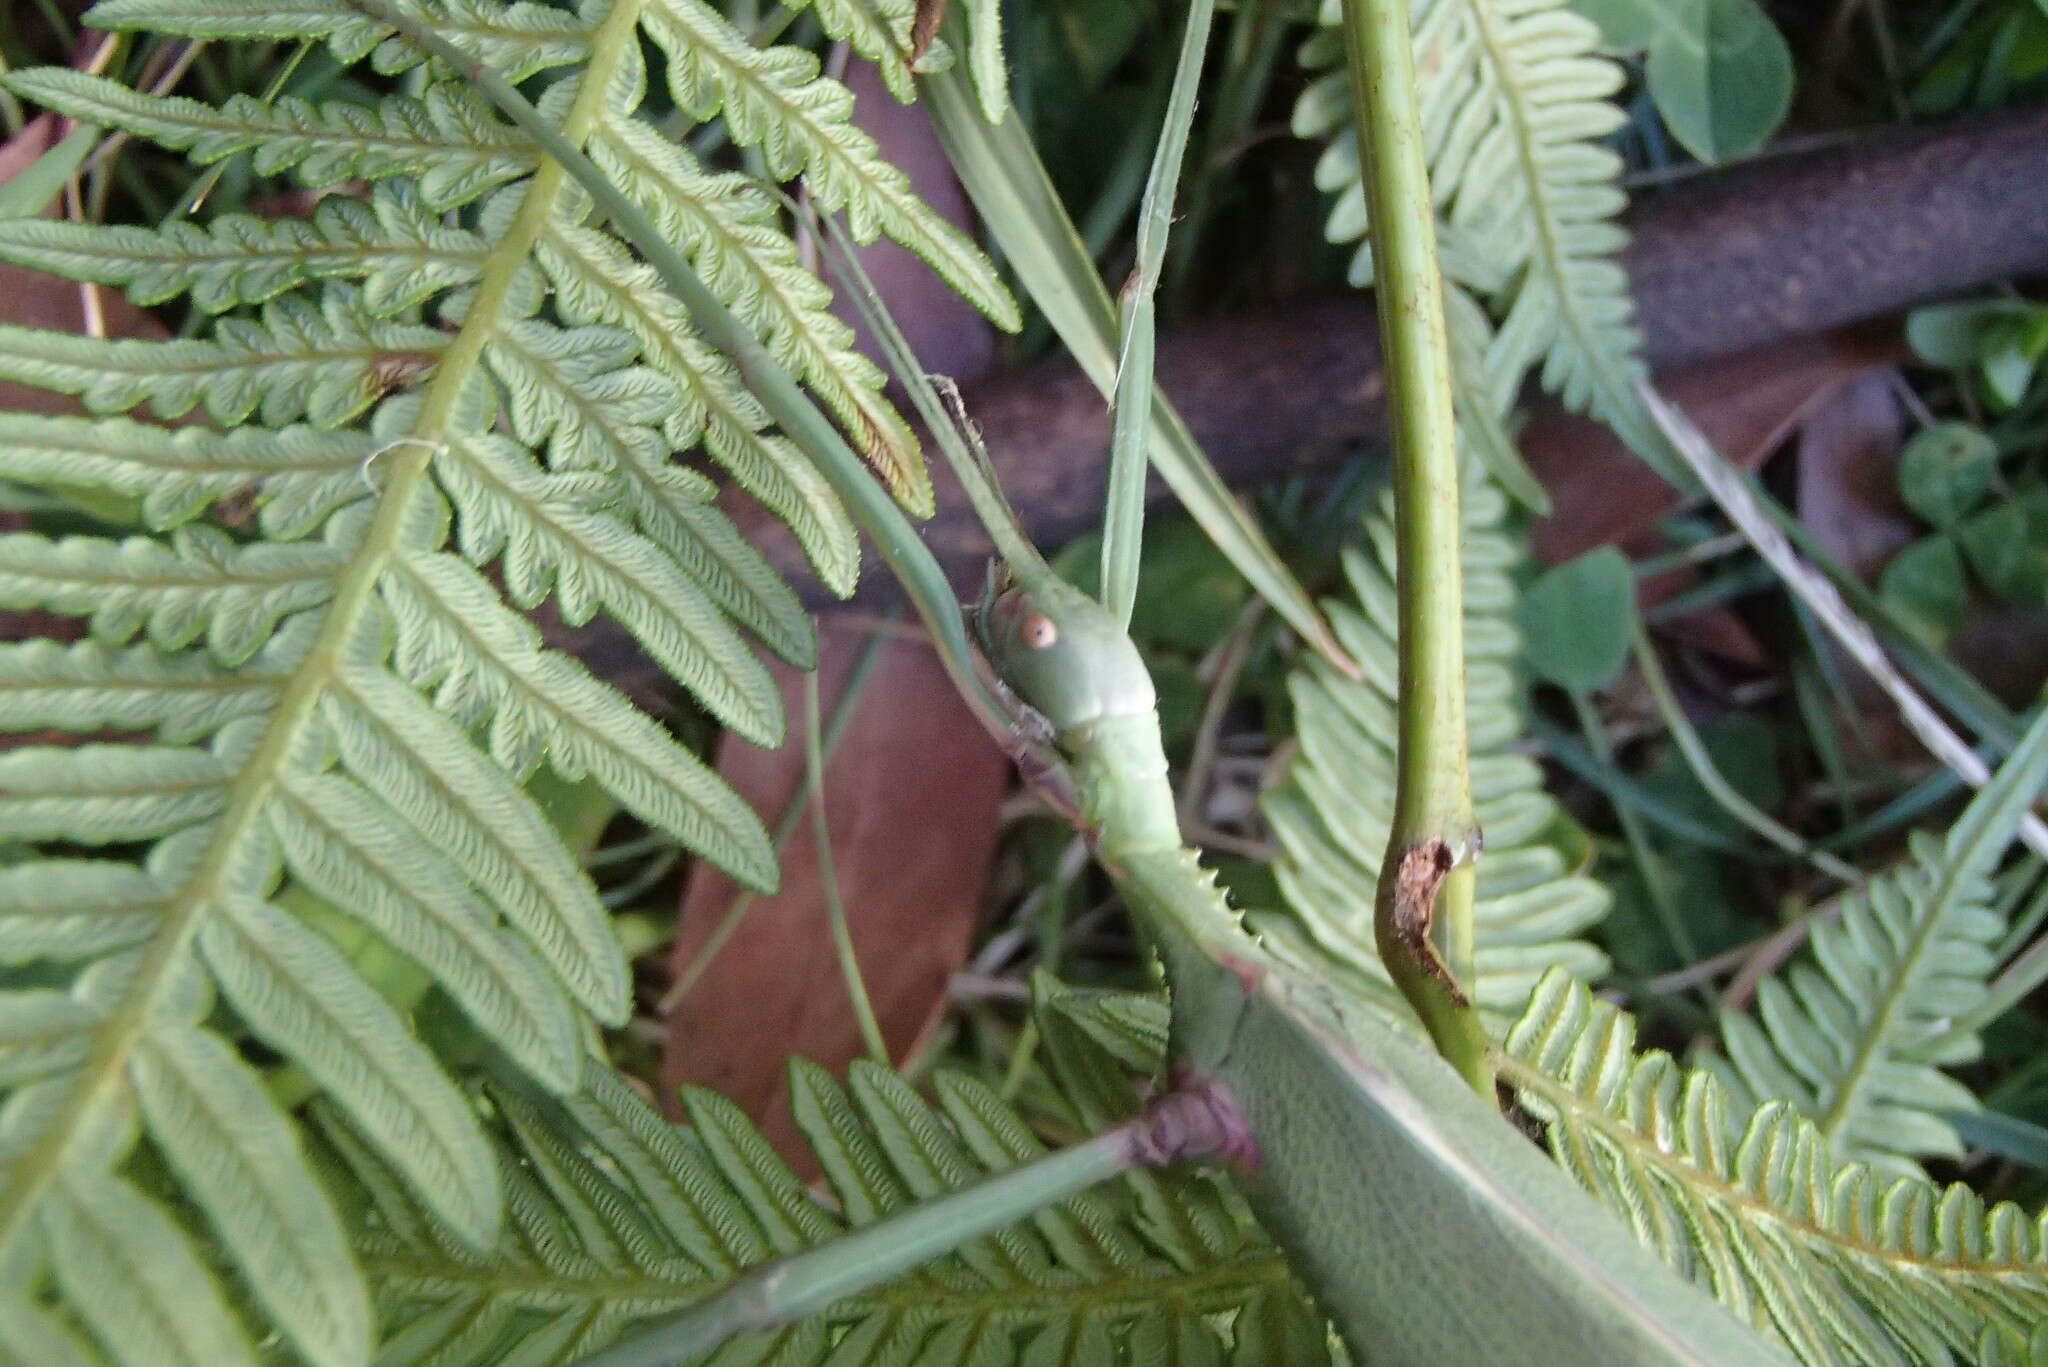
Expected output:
{"points": [[1037, 631]]}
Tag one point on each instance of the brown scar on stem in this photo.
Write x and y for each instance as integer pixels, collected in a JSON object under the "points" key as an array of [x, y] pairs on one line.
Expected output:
{"points": [[924, 30], [1417, 881]]}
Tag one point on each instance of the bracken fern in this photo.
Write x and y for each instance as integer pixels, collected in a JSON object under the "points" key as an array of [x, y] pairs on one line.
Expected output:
{"points": [[1841, 1263], [1855, 1032], [330, 709], [617, 1217]]}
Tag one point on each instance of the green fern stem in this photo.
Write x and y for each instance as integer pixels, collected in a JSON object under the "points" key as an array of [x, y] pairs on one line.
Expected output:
{"points": [[404, 468], [1423, 918]]}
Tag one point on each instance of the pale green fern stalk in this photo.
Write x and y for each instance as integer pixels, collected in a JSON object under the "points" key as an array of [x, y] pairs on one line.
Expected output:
{"points": [[1334, 808]]}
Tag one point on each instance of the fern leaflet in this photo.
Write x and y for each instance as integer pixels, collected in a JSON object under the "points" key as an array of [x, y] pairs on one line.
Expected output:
{"points": [[402, 254], [1841, 1264], [517, 39], [1854, 1032]]}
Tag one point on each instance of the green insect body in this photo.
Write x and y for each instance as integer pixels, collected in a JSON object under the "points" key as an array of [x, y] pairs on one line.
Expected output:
{"points": [[1063, 655], [1431, 1230]]}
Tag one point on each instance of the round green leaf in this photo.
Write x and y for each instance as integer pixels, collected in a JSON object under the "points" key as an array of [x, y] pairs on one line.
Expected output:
{"points": [[1625, 25], [1954, 336], [1924, 586], [1721, 75], [2008, 547], [1577, 619], [1944, 471], [2008, 366]]}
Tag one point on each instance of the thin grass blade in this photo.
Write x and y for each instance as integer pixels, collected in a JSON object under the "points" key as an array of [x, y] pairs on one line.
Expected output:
{"points": [[1123, 515]]}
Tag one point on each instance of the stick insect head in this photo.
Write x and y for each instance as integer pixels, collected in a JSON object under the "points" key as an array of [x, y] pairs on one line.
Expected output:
{"points": [[1060, 651]]}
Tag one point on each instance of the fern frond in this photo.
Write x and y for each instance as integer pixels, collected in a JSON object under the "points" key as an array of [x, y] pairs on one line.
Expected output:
{"points": [[199, 583], [985, 60], [239, 1157], [88, 686], [2001, 1347], [619, 1217], [1843, 1033], [318, 841], [413, 756], [109, 794], [297, 992], [324, 365], [401, 254], [517, 39], [673, 508], [304, 474], [67, 909], [350, 848], [138, 1283], [879, 30], [729, 228], [1840, 1263], [1334, 809], [545, 543], [776, 101], [597, 281], [28, 1333], [446, 141], [487, 668], [1514, 103]]}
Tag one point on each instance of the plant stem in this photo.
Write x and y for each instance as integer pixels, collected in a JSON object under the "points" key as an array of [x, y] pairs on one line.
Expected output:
{"points": [[828, 879], [1123, 515], [1423, 918], [1190, 1123]]}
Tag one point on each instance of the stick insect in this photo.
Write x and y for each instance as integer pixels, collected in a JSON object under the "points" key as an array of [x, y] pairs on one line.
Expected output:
{"points": [[1428, 1228]]}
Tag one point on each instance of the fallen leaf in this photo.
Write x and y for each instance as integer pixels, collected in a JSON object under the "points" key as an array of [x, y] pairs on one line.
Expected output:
{"points": [[1749, 404], [912, 797], [1849, 473]]}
